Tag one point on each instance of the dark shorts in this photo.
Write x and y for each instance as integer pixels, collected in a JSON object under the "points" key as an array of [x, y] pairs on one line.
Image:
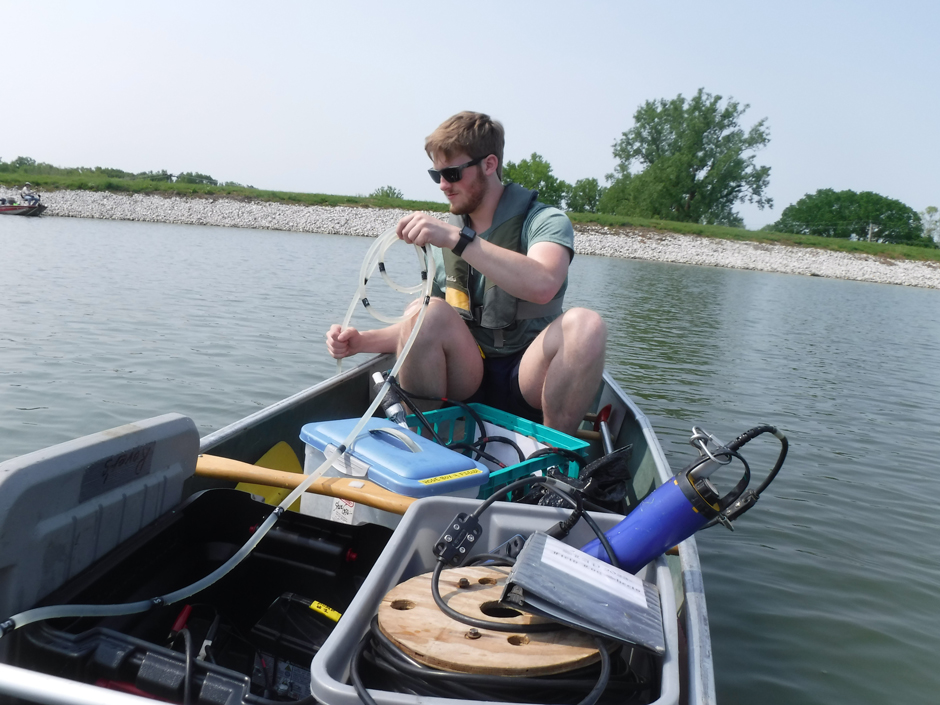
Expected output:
{"points": [[500, 387]]}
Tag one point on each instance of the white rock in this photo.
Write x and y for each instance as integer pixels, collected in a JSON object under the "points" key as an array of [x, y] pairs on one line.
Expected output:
{"points": [[629, 243]]}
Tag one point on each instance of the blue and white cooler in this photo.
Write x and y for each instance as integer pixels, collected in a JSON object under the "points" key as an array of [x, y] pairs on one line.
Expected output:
{"points": [[392, 457]]}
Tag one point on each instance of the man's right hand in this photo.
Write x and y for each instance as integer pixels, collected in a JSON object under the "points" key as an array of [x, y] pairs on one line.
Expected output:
{"points": [[343, 342]]}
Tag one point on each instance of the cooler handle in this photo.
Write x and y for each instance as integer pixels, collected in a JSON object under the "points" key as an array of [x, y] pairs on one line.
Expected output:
{"points": [[409, 442]]}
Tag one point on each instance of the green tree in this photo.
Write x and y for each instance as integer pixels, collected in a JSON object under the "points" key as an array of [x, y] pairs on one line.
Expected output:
{"points": [[930, 217], [847, 214], [386, 192], [584, 196], [688, 161], [535, 173]]}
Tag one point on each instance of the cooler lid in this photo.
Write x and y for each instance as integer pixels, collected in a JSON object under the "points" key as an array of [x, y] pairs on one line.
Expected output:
{"points": [[399, 459]]}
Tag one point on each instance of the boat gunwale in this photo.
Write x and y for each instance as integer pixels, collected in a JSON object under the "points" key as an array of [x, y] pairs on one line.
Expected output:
{"points": [[700, 675]]}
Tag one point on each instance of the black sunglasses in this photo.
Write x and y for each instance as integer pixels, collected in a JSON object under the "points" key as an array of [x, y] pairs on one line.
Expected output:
{"points": [[453, 174]]}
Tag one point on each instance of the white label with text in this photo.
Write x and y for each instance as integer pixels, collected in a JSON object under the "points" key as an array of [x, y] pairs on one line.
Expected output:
{"points": [[590, 570]]}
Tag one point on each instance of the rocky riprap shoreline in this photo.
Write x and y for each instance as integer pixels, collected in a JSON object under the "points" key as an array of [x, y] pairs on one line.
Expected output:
{"points": [[630, 243], [639, 243]]}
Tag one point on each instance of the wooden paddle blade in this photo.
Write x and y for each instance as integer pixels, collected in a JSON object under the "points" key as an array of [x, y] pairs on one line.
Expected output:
{"points": [[353, 489]]}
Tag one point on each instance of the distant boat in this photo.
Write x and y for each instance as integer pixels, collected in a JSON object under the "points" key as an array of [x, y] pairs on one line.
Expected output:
{"points": [[20, 209]]}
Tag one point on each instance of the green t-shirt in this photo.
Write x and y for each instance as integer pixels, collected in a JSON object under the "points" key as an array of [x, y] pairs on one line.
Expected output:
{"points": [[543, 224]]}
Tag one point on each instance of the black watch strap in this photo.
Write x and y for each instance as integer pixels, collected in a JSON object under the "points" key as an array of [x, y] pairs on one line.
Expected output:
{"points": [[466, 237]]}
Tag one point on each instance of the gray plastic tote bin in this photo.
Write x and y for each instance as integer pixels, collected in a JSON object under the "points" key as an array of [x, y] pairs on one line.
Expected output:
{"points": [[409, 553]]}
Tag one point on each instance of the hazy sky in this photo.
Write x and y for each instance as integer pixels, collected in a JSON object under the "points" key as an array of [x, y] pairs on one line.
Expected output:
{"points": [[338, 97]]}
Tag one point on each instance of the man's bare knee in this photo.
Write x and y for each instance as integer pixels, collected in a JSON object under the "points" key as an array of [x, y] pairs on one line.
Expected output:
{"points": [[584, 331]]}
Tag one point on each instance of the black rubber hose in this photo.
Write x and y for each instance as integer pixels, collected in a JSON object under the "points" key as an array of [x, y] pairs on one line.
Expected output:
{"points": [[753, 433], [553, 486], [393, 383], [501, 439], [354, 675], [479, 451], [482, 623], [466, 407], [557, 487], [399, 664]]}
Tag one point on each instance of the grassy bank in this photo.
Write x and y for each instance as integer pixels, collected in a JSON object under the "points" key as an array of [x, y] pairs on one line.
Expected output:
{"points": [[119, 185]]}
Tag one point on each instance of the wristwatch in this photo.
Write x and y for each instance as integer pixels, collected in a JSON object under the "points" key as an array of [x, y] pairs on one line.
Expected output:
{"points": [[466, 237]]}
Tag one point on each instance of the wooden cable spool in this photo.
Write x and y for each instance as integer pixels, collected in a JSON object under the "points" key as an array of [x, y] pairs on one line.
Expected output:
{"points": [[410, 618]]}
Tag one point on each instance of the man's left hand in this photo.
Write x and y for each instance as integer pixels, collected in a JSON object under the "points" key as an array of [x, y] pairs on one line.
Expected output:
{"points": [[422, 229]]}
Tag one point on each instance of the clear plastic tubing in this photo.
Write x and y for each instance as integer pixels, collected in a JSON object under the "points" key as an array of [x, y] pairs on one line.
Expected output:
{"points": [[375, 255]]}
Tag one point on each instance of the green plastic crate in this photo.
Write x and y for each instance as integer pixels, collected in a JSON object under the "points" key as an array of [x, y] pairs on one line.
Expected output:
{"points": [[454, 425]]}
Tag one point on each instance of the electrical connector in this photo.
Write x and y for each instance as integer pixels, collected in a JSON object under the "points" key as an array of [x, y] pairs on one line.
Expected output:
{"points": [[457, 540], [747, 500]]}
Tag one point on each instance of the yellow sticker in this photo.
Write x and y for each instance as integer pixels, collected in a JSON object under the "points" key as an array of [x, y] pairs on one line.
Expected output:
{"points": [[327, 612], [452, 476]]}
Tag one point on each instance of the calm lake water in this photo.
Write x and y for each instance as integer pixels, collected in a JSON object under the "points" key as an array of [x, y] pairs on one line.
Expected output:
{"points": [[826, 593]]}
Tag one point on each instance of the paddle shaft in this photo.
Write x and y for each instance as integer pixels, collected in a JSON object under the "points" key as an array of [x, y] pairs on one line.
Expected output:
{"points": [[353, 489]]}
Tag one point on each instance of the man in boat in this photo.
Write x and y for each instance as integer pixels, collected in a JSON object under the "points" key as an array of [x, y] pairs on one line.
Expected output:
{"points": [[29, 198], [495, 331]]}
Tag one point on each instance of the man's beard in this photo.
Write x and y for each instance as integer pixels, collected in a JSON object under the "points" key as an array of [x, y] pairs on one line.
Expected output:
{"points": [[473, 196]]}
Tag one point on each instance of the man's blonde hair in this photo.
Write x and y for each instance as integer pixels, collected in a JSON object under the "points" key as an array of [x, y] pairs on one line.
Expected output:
{"points": [[476, 134]]}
